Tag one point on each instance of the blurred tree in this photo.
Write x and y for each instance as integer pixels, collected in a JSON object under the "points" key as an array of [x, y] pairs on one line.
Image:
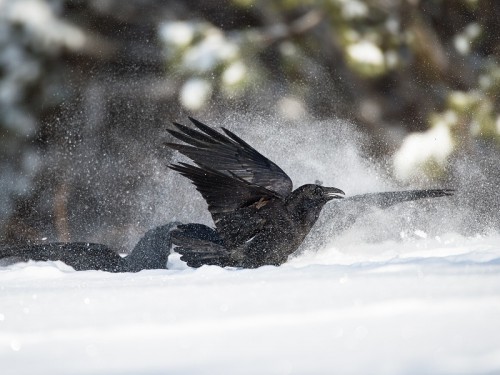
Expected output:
{"points": [[96, 102], [87, 86]]}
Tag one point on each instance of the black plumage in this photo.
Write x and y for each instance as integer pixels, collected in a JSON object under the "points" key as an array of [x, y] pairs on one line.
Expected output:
{"points": [[151, 252], [259, 218]]}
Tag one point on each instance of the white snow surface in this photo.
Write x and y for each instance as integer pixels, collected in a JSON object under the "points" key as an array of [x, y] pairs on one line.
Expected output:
{"points": [[421, 306]]}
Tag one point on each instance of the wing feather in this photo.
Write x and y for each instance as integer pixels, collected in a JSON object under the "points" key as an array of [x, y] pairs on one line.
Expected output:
{"points": [[223, 193], [230, 155], [389, 198]]}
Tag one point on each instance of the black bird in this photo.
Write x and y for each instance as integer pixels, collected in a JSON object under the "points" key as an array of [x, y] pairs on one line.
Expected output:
{"points": [[259, 218], [151, 252]]}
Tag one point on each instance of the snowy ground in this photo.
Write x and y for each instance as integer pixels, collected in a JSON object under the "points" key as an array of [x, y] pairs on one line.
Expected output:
{"points": [[422, 306]]}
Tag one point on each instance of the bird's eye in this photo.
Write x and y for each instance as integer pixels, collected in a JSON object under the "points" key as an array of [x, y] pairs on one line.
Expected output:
{"points": [[318, 191]]}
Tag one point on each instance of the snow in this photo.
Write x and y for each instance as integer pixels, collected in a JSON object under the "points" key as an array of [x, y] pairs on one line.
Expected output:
{"points": [[366, 52], [195, 93], [40, 20], [420, 306], [177, 33], [234, 73], [421, 149]]}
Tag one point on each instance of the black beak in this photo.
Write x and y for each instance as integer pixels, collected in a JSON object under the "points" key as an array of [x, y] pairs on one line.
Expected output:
{"points": [[333, 193]]}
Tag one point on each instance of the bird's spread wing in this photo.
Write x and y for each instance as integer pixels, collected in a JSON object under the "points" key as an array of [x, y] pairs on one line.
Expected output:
{"points": [[223, 193], [229, 155], [390, 198], [81, 256], [351, 208]]}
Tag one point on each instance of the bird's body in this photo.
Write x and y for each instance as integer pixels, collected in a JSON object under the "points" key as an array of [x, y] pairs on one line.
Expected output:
{"points": [[264, 233], [259, 219]]}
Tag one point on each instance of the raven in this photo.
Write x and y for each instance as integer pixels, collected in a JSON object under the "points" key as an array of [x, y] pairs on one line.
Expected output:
{"points": [[259, 218]]}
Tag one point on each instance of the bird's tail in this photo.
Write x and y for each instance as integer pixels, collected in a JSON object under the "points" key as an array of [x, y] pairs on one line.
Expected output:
{"points": [[200, 245]]}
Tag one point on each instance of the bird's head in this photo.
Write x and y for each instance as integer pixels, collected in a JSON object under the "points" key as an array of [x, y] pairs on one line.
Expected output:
{"points": [[318, 193], [308, 200]]}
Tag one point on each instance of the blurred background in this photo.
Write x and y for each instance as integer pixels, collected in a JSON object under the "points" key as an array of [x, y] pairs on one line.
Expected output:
{"points": [[87, 89]]}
